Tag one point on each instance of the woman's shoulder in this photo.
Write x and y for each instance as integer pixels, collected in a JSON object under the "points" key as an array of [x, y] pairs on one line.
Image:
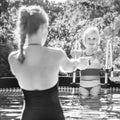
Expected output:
{"points": [[13, 61], [56, 50], [57, 53], [13, 56]]}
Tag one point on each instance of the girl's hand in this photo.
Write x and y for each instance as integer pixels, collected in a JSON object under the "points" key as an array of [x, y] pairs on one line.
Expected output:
{"points": [[83, 63], [73, 53]]}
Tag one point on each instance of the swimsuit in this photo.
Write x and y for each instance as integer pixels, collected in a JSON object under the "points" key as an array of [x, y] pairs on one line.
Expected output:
{"points": [[42, 105], [88, 88], [92, 70], [90, 83]]}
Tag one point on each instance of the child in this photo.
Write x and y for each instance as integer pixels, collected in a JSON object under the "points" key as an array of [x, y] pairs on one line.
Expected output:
{"points": [[90, 77]]}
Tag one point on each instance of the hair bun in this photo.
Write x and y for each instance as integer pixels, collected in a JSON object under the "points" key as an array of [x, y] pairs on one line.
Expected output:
{"points": [[24, 14]]}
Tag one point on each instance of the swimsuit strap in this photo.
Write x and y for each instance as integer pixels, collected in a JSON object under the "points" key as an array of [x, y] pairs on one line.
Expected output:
{"points": [[32, 44]]}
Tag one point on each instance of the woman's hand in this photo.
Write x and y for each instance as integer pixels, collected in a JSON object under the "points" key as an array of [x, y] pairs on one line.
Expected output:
{"points": [[76, 53]]}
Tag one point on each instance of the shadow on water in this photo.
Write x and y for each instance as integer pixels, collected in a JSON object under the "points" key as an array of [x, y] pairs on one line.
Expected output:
{"points": [[75, 108]]}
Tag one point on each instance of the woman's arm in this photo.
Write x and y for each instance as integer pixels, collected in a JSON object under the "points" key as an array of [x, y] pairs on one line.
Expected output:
{"points": [[70, 65], [66, 64]]}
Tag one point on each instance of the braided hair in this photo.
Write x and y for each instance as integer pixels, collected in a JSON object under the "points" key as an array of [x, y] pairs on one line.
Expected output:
{"points": [[21, 56]]}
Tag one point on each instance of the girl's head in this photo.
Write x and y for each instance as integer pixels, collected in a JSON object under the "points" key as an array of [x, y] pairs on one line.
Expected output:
{"points": [[91, 37], [31, 20]]}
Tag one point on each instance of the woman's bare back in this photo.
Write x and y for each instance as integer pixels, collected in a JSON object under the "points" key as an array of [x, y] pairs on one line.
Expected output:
{"points": [[40, 68]]}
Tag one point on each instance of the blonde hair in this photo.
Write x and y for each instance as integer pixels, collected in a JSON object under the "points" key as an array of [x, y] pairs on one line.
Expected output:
{"points": [[29, 20], [90, 30]]}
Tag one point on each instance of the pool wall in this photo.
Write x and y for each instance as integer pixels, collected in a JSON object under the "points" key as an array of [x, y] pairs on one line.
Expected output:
{"points": [[11, 82]]}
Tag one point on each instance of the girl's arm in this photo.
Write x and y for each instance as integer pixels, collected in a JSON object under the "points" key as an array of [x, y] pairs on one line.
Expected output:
{"points": [[70, 65]]}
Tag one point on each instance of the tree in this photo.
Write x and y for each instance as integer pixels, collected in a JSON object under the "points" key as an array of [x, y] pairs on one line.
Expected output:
{"points": [[67, 23]]}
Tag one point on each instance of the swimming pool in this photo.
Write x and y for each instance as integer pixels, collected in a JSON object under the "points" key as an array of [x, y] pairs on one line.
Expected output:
{"points": [[106, 107]]}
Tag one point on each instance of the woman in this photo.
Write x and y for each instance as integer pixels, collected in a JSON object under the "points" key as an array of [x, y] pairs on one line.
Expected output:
{"points": [[36, 67]]}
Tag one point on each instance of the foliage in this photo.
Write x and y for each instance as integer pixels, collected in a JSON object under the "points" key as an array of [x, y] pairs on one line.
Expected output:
{"points": [[67, 23], [4, 66]]}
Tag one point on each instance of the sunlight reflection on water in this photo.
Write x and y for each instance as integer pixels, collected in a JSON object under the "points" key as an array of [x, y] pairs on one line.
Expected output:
{"points": [[103, 108]]}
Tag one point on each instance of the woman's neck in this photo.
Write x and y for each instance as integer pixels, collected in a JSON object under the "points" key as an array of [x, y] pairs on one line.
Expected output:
{"points": [[33, 40], [34, 44]]}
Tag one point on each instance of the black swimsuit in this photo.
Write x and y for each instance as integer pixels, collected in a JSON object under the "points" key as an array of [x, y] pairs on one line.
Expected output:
{"points": [[42, 105]]}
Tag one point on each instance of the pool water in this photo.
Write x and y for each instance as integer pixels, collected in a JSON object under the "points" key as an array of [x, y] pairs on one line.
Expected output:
{"points": [[106, 107]]}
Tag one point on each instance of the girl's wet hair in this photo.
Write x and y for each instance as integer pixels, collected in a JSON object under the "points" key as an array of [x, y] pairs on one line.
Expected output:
{"points": [[29, 20], [90, 30]]}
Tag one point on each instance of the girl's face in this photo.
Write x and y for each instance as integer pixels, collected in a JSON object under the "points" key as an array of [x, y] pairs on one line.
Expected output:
{"points": [[91, 40]]}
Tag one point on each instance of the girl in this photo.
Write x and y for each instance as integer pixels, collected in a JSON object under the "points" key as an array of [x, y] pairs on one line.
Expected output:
{"points": [[90, 77]]}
